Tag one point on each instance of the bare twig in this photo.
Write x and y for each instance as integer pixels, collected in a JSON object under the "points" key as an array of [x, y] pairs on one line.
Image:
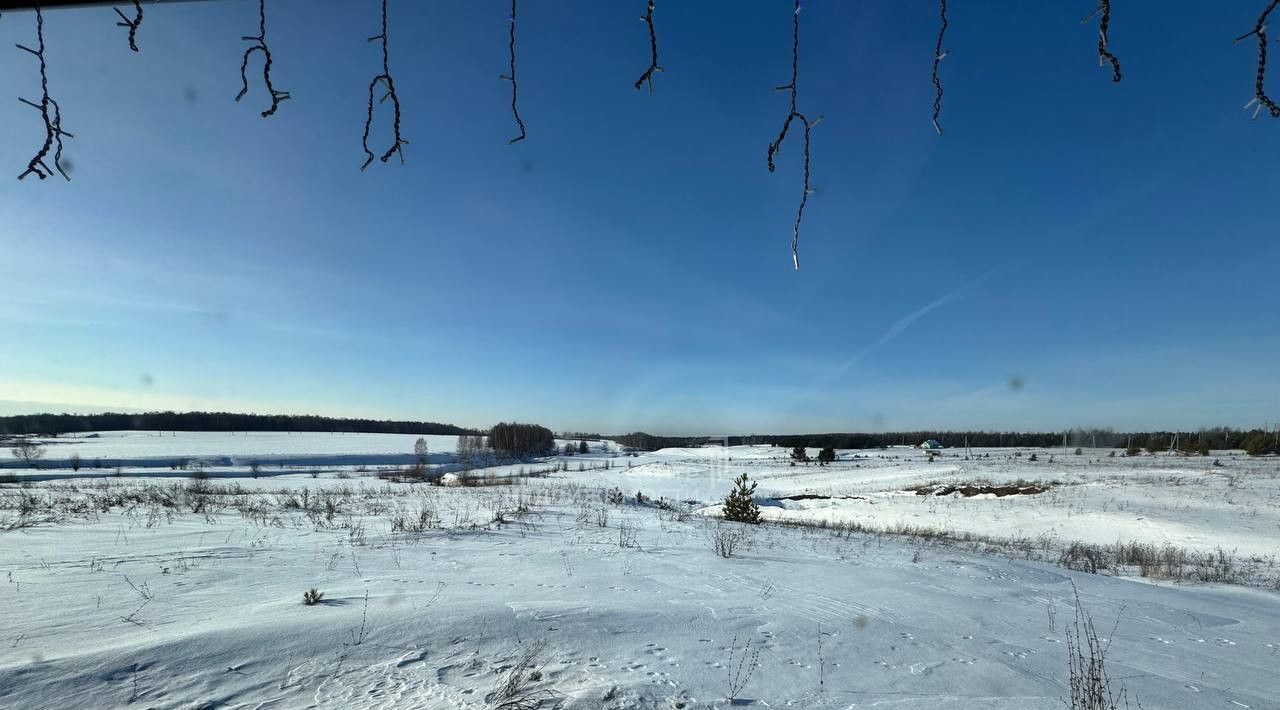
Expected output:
{"points": [[808, 126], [1260, 98], [358, 638], [512, 77], [1088, 679], [144, 591], [386, 80], [132, 617], [50, 113], [647, 76], [938, 54], [741, 673], [1104, 24], [260, 45], [131, 24]]}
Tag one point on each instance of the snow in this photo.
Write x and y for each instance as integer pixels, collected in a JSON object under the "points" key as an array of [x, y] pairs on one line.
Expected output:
{"points": [[155, 607]]}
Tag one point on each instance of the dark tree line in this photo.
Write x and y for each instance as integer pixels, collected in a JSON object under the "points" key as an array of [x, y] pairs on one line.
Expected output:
{"points": [[1253, 440], [521, 440], [213, 421], [1186, 441], [650, 442]]}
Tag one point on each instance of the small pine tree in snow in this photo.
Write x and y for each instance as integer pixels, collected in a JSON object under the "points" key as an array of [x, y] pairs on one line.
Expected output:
{"points": [[582, 447], [740, 505]]}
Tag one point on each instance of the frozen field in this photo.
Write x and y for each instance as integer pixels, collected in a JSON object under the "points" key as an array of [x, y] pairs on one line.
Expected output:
{"points": [[168, 592], [161, 450]]}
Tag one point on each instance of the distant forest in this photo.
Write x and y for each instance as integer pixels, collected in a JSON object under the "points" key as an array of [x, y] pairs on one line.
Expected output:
{"points": [[522, 440], [1187, 441], [52, 424]]}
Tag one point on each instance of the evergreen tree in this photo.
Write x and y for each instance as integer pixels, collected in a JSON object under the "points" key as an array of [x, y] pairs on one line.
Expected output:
{"points": [[740, 505], [827, 455], [799, 454], [582, 447], [1259, 444]]}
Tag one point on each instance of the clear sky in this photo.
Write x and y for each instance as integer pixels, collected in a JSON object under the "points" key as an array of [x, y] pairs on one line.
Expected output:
{"points": [[1111, 248]]}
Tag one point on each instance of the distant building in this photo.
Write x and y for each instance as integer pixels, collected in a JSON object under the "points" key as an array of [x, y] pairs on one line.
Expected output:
{"points": [[931, 444]]}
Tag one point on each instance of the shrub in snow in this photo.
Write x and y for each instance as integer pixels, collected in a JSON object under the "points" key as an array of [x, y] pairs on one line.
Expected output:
{"points": [[517, 690], [1259, 444], [28, 451], [726, 539], [312, 596], [614, 496], [740, 505]]}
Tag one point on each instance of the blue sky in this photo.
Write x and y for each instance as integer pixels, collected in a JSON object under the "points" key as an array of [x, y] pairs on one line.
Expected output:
{"points": [[1111, 247]]}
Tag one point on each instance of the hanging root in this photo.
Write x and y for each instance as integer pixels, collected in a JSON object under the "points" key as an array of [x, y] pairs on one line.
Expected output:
{"points": [[1260, 99], [260, 46], [786, 125], [512, 77], [131, 24], [385, 79], [647, 76], [49, 113], [938, 55], [1104, 39]]}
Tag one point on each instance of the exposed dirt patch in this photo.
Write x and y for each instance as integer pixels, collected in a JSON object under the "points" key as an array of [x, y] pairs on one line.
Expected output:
{"points": [[968, 490]]}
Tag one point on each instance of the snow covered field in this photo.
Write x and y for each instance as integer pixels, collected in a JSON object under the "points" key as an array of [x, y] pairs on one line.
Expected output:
{"points": [[168, 592]]}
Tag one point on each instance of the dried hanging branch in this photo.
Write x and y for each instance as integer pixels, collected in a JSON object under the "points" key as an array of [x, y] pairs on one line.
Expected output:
{"points": [[384, 78], [512, 77], [131, 24], [938, 55], [49, 112], [1260, 98], [647, 76], [261, 46], [808, 126], [1104, 25]]}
